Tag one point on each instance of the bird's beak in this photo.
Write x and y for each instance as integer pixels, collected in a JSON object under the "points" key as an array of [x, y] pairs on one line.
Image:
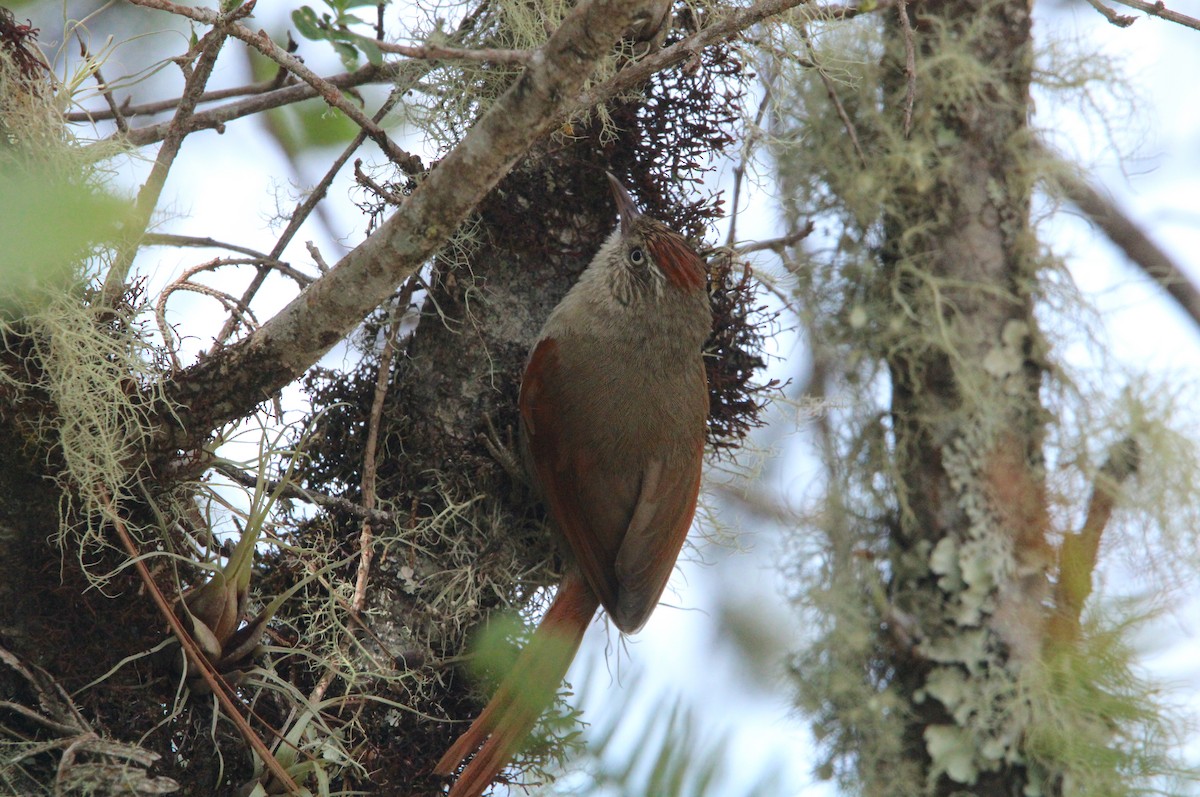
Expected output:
{"points": [[625, 207]]}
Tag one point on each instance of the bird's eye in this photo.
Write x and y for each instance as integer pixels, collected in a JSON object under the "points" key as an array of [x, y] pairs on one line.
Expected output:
{"points": [[636, 256]]}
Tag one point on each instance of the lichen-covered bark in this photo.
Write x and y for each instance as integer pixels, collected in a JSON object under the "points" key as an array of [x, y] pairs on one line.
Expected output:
{"points": [[968, 554]]}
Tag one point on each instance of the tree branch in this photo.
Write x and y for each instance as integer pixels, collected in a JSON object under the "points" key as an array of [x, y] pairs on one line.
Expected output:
{"points": [[1159, 9], [1113, 17], [262, 42], [215, 118], [436, 52], [724, 28], [128, 110], [306, 207], [229, 384], [633, 75], [1130, 239], [177, 130]]}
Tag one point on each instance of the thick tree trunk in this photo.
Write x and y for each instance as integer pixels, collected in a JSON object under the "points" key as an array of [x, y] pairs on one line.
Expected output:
{"points": [[969, 557]]}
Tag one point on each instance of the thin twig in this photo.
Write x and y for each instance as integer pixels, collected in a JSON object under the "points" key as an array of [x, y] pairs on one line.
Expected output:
{"points": [[910, 65], [262, 42], [777, 245], [239, 309], [317, 257], [105, 90], [215, 118], [739, 170], [128, 110], [292, 490], [831, 90], [364, 179], [231, 303], [1120, 20], [1159, 9], [383, 379], [437, 52], [194, 655], [169, 239], [305, 208], [147, 199]]}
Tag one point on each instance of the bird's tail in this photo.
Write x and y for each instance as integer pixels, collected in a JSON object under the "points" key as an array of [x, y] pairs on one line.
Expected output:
{"points": [[525, 693]]}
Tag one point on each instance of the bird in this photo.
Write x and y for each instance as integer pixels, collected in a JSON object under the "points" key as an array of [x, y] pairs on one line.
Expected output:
{"points": [[613, 414]]}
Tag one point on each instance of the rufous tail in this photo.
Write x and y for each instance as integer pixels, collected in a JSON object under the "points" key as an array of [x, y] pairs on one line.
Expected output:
{"points": [[525, 693]]}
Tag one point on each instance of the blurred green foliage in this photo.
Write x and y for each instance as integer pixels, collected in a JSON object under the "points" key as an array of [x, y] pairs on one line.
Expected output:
{"points": [[48, 227]]}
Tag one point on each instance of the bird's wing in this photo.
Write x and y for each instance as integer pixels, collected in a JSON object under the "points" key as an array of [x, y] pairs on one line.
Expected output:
{"points": [[655, 536], [625, 526], [587, 514]]}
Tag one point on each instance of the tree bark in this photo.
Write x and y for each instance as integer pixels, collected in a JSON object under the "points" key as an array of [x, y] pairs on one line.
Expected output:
{"points": [[969, 556]]}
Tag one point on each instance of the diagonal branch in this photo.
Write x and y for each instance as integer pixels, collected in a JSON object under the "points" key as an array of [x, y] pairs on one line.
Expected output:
{"points": [[1129, 238], [229, 384], [147, 199], [725, 27], [631, 76], [215, 118], [1159, 9], [263, 43]]}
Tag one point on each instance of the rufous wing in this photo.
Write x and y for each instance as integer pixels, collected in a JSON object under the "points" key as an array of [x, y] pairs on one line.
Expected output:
{"points": [[655, 536], [624, 525]]}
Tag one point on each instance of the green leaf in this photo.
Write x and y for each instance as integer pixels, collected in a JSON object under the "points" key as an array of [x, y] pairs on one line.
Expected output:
{"points": [[308, 25], [370, 49], [348, 54], [322, 126]]}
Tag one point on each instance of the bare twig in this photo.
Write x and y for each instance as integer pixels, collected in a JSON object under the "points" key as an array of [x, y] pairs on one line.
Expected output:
{"points": [[291, 490], [439, 53], [147, 199], [1130, 238], [831, 90], [1159, 9], [169, 239], [128, 110], [777, 245], [317, 257], [1119, 20], [216, 118], [739, 170], [305, 208], [105, 90], [239, 308], [910, 65], [364, 179], [383, 379], [262, 42], [194, 655], [402, 80]]}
